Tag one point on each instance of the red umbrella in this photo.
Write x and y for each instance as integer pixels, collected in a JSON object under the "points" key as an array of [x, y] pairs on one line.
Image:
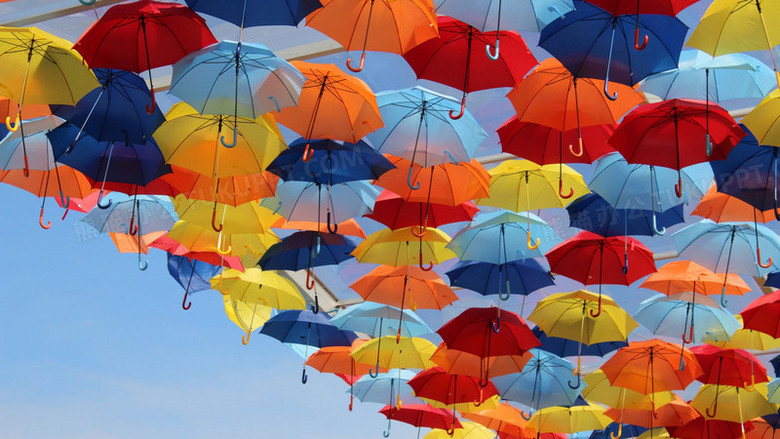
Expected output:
{"points": [[175, 248], [763, 314], [436, 384], [676, 133], [396, 213], [544, 145], [457, 58], [421, 415], [488, 332], [592, 259], [143, 35], [700, 428]]}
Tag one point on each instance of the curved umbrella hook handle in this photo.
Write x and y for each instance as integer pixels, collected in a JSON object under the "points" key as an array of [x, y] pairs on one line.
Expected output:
{"points": [[184, 305], [598, 311], [65, 201], [100, 202], [560, 190], [687, 337], [149, 110], [245, 338], [420, 263], [530, 244], [454, 116], [452, 157], [678, 187], [235, 138], [579, 383], [225, 251], [714, 410], [662, 231], [308, 153], [276, 103], [304, 377], [489, 51], [580, 151], [335, 228], [501, 295], [386, 433], [133, 230], [496, 328], [214, 221], [12, 127], [611, 97], [423, 229], [414, 186], [638, 46], [142, 265], [451, 429], [40, 221], [315, 309], [309, 280], [372, 373], [723, 302], [526, 416], [616, 435], [758, 258], [360, 66], [483, 382]]}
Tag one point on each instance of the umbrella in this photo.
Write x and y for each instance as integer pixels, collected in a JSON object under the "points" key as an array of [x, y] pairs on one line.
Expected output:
{"points": [[523, 276], [593, 213], [681, 276], [393, 211], [395, 353], [244, 218], [760, 314], [469, 430], [569, 419], [593, 43], [389, 27], [732, 403], [392, 247], [247, 316], [675, 413], [526, 15], [747, 339], [436, 384], [762, 120], [464, 363], [332, 105], [193, 275], [127, 243], [253, 285], [563, 347], [479, 331], [505, 419], [384, 388], [229, 249], [349, 227], [374, 319], [249, 13], [731, 367], [721, 207], [234, 190], [452, 60], [421, 415], [167, 31], [417, 116], [709, 428], [32, 151], [173, 247], [336, 360], [598, 389]]}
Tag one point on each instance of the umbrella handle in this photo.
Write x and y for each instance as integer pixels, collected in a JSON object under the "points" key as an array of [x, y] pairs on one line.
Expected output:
{"points": [[133, 230], [497, 327], [655, 227], [386, 433], [452, 157], [100, 202], [214, 221], [351, 401], [371, 372], [526, 416], [308, 153], [579, 383], [65, 201], [428, 268], [611, 97], [598, 311], [304, 377], [423, 228], [40, 221], [276, 102], [414, 186], [184, 305], [709, 145], [245, 338], [224, 252], [560, 190], [483, 382], [309, 280], [87, 2], [317, 248], [360, 66], [638, 46], [714, 410], [454, 116], [530, 244], [501, 295], [335, 228], [451, 429], [758, 258], [490, 54], [678, 187], [26, 167], [235, 138], [142, 265], [151, 109], [689, 338], [12, 127], [315, 309], [625, 263], [616, 435], [579, 152]]}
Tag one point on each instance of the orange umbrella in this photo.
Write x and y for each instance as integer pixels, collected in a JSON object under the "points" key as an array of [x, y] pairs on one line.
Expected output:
{"points": [[673, 414], [683, 276], [450, 183], [721, 207], [233, 190], [349, 227], [504, 419], [9, 108], [127, 243], [551, 96], [762, 430], [383, 26], [332, 105], [459, 362], [62, 180], [651, 366]]}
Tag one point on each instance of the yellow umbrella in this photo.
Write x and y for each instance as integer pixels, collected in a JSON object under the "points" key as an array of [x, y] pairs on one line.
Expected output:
{"points": [[248, 316], [203, 239], [470, 430], [244, 218], [569, 419], [763, 122], [731, 403], [254, 285], [744, 339], [521, 185], [403, 247], [600, 390], [655, 433], [466, 407], [391, 353], [730, 26], [571, 316]]}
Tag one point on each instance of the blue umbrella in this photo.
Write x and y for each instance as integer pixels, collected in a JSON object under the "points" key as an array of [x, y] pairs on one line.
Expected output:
{"points": [[592, 43], [773, 279], [193, 275], [593, 213], [627, 186], [307, 249], [775, 361], [611, 432], [133, 163], [563, 347], [385, 387], [257, 13], [524, 15], [308, 329], [519, 276], [329, 162], [114, 112], [417, 127], [543, 382], [376, 319]]}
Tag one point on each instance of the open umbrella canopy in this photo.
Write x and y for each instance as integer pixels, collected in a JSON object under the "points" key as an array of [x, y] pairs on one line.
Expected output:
{"points": [[306, 328], [474, 331], [267, 288], [543, 382], [248, 13], [681, 276], [599, 389]]}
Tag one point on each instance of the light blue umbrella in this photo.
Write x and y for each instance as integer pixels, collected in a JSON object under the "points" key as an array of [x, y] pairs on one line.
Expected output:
{"points": [[384, 389], [634, 186], [501, 236], [242, 79], [376, 320], [773, 395], [417, 127], [36, 149], [308, 201], [543, 382], [730, 247], [689, 316], [732, 76]]}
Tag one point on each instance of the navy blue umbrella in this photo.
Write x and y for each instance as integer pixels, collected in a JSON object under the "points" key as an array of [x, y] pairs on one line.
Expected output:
{"points": [[775, 361], [772, 279], [114, 112], [592, 43], [593, 213], [626, 431], [192, 274], [307, 249], [564, 347], [329, 162], [308, 329], [248, 13], [519, 277]]}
